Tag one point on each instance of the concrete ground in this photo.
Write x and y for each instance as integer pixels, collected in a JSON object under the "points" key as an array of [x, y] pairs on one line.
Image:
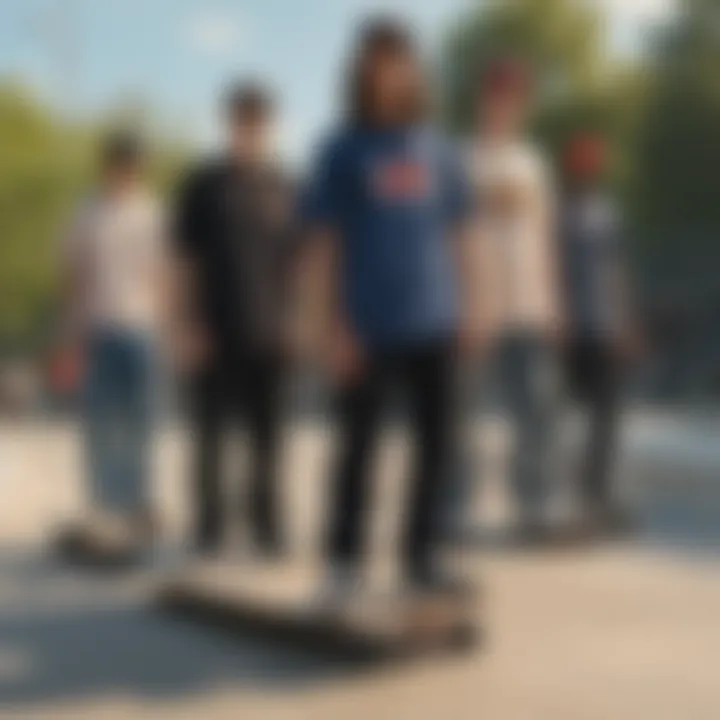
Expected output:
{"points": [[627, 630]]}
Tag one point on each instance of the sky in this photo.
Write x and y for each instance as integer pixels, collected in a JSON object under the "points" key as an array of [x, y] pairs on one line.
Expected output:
{"points": [[86, 56]]}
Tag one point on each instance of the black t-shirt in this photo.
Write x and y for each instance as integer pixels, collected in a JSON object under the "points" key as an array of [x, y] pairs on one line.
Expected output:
{"points": [[236, 225], [592, 254]]}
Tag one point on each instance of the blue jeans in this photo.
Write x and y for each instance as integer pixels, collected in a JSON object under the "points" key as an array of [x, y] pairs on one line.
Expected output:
{"points": [[524, 373], [119, 419], [528, 375]]}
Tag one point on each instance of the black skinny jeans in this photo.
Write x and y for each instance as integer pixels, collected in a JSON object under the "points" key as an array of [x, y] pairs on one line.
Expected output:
{"points": [[241, 387], [425, 374], [595, 380]]}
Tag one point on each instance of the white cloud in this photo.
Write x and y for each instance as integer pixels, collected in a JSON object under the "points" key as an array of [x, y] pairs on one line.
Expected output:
{"points": [[216, 34]]}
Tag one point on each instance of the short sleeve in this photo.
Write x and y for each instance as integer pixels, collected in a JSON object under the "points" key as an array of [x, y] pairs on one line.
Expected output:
{"points": [[322, 198]]}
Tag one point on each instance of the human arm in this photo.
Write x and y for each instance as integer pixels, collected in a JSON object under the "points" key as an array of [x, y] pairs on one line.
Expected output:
{"points": [[327, 325]]}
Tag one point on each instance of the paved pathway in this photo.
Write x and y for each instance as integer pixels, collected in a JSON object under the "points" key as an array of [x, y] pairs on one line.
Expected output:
{"points": [[629, 631]]}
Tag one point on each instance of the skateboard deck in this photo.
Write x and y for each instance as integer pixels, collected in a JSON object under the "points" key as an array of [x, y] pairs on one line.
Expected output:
{"points": [[277, 604]]}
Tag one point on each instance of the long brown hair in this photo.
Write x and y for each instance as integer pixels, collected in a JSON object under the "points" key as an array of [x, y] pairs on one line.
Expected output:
{"points": [[382, 38]]}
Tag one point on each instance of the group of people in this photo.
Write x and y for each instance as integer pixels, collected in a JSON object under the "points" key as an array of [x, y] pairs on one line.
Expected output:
{"points": [[419, 261]]}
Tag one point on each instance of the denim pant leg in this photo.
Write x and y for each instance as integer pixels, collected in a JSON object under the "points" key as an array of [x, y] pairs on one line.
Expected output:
{"points": [[99, 418], [136, 412], [530, 385], [118, 421]]}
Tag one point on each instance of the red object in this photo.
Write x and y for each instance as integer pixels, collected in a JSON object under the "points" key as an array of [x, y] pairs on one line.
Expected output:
{"points": [[585, 156], [402, 181], [66, 371]]}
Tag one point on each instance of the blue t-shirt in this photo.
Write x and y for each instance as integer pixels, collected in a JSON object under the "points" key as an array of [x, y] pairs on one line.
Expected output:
{"points": [[393, 197]]}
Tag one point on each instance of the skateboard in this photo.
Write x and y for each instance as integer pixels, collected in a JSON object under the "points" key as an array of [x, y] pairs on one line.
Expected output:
{"points": [[99, 545], [369, 627]]}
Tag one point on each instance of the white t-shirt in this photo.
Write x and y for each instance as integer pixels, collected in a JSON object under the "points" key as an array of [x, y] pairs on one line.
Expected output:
{"points": [[114, 252], [516, 210]]}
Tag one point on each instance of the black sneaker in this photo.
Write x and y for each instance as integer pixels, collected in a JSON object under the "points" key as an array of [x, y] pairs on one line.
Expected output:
{"points": [[207, 544], [607, 521], [619, 520], [433, 580], [532, 533], [539, 535]]}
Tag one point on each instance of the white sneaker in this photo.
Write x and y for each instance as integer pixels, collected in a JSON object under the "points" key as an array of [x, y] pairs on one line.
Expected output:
{"points": [[342, 584]]}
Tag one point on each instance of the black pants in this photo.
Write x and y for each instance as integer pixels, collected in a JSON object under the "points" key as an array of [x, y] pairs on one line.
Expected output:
{"points": [[247, 387], [425, 374], [594, 377]]}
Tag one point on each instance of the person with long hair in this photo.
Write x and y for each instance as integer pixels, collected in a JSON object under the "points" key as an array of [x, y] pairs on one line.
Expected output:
{"points": [[385, 202]]}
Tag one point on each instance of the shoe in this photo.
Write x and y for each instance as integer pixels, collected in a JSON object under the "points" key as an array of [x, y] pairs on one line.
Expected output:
{"points": [[146, 525], [607, 521], [207, 545], [533, 533], [269, 548], [596, 523], [102, 540], [342, 584], [429, 579], [619, 520]]}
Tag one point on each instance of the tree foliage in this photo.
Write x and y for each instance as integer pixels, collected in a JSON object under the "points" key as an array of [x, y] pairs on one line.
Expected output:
{"points": [[560, 39], [679, 148], [44, 163], [661, 111], [47, 163]]}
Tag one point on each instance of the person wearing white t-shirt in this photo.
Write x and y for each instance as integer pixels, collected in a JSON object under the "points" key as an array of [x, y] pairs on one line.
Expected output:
{"points": [[112, 260], [518, 312]]}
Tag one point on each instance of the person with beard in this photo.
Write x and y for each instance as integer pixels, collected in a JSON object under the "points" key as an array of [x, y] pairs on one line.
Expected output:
{"points": [[387, 204]]}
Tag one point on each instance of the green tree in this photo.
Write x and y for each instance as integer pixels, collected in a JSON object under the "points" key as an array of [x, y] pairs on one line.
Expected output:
{"points": [[44, 165], [47, 165], [678, 189], [580, 86], [560, 39]]}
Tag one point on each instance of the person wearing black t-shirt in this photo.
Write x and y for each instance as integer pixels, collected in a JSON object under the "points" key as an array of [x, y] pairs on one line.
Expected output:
{"points": [[603, 335], [233, 232]]}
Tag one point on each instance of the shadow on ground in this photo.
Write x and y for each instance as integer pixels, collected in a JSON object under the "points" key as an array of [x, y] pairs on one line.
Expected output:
{"points": [[72, 637]]}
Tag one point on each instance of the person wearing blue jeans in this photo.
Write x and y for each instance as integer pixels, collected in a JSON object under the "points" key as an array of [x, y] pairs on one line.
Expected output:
{"points": [[523, 375], [520, 310], [119, 419], [528, 376], [113, 259]]}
